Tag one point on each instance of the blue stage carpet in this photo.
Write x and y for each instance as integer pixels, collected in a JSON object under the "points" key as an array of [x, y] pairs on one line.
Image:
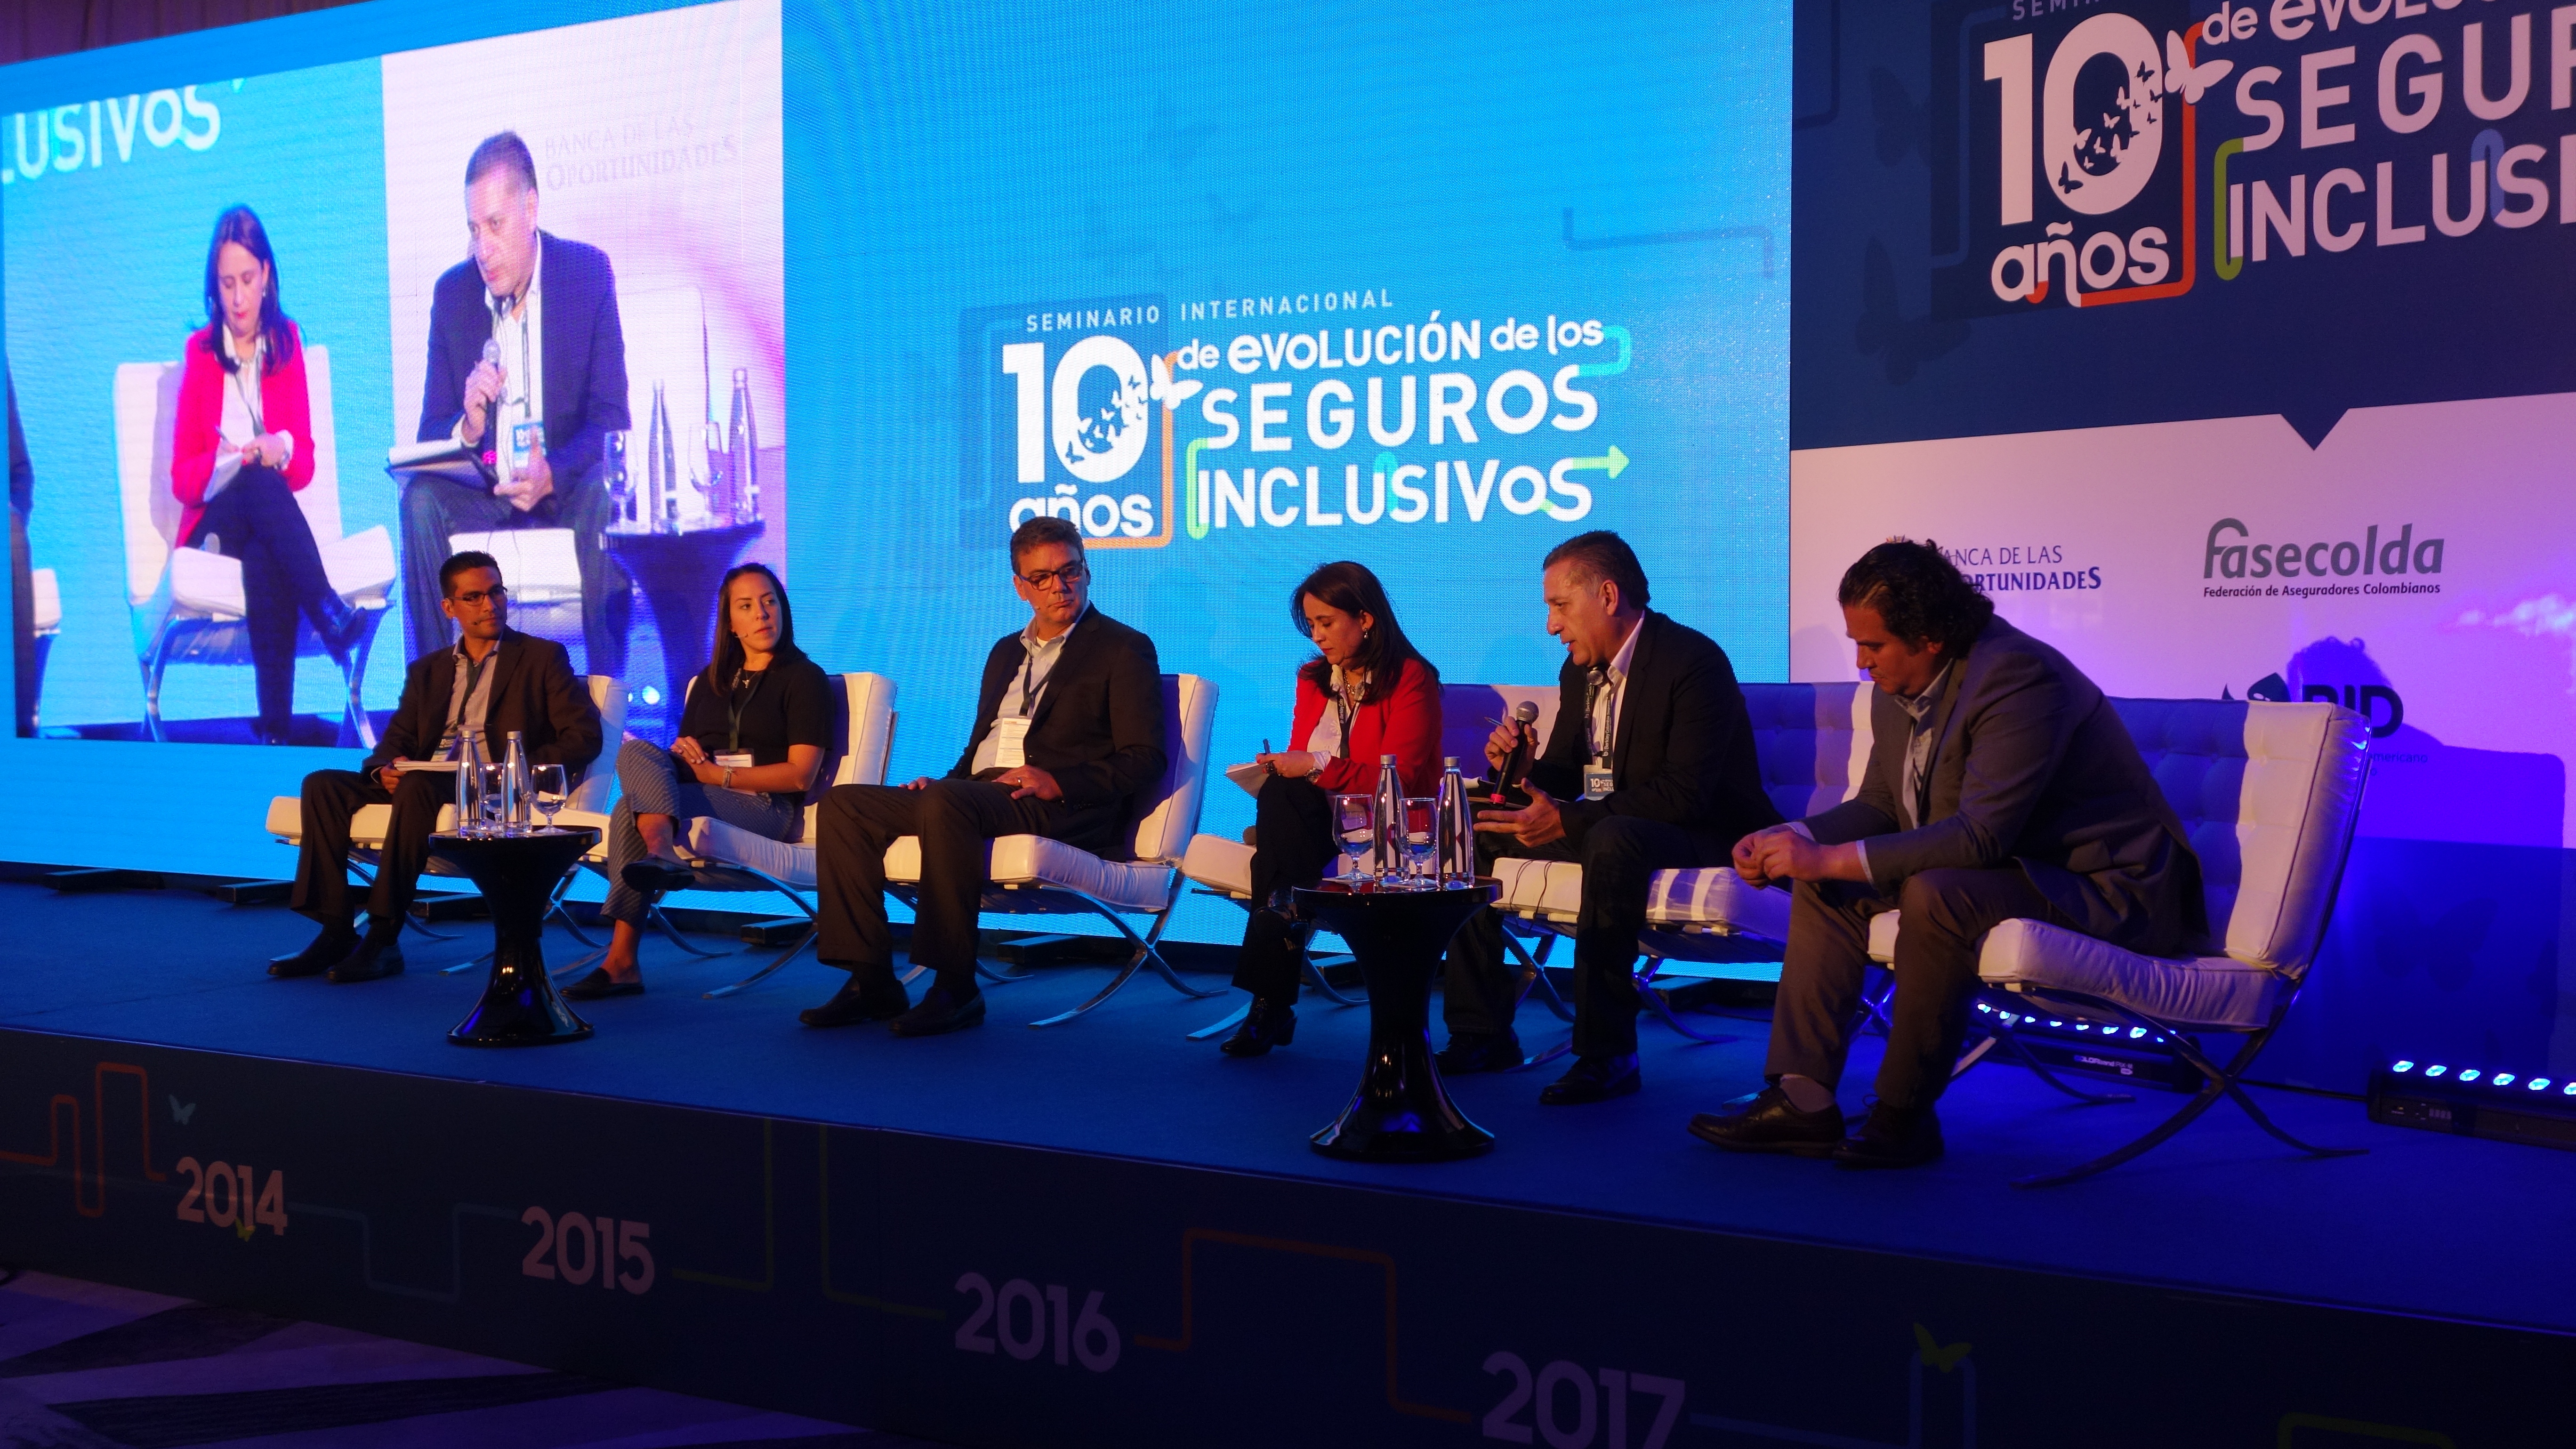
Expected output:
{"points": [[2424, 1224]]}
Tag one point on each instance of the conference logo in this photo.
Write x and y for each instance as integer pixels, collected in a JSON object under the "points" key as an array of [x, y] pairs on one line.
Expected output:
{"points": [[2078, 168], [87, 135], [1307, 409], [2087, 155], [2378, 562]]}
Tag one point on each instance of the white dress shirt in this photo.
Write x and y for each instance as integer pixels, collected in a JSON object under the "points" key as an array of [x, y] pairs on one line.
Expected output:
{"points": [[244, 410], [1609, 691], [519, 332], [1028, 685]]}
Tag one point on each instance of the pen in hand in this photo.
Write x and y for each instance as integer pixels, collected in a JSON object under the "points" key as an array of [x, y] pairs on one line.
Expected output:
{"points": [[1265, 749]]}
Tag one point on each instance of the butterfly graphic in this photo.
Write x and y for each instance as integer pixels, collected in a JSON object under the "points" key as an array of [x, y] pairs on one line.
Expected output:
{"points": [[1944, 1359], [1167, 392], [180, 1114], [2185, 79]]}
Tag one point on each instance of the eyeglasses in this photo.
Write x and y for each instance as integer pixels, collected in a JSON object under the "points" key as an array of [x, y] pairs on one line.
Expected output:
{"points": [[496, 594], [1070, 575]]}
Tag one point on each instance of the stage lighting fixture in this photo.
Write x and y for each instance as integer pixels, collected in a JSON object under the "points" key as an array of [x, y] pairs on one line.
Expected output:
{"points": [[2506, 1106], [2127, 1054]]}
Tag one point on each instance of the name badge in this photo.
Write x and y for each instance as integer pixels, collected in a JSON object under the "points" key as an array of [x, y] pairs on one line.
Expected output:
{"points": [[525, 439], [1010, 741], [740, 760], [1596, 781]]}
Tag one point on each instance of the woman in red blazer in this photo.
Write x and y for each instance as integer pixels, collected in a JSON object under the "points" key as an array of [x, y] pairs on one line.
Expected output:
{"points": [[242, 448], [1366, 694]]}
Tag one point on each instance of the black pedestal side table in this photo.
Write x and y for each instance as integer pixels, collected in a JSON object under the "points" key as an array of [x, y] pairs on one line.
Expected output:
{"points": [[517, 875], [1400, 1113]]}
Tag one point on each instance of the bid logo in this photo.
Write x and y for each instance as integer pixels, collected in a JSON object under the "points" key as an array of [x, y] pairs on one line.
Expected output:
{"points": [[1065, 414], [2076, 178]]}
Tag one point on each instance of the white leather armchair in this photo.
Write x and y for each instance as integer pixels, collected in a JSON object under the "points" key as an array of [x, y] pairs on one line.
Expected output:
{"points": [[1032, 875], [367, 828], [187, 602], [733, 859]]}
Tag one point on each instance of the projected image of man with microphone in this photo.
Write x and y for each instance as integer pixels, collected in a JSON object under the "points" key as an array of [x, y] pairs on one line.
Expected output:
{"points": [[527, 367], [1648, 767]]}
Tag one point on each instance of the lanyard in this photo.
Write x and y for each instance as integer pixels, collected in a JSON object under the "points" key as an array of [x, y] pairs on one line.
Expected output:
{"points": [[736, 702], [1028, 671], [473, 675], [1607, 736]]}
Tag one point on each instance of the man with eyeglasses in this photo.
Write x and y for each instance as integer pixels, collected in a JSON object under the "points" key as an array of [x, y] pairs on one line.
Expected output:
{"points": [[1068, 732], [494, 680]]}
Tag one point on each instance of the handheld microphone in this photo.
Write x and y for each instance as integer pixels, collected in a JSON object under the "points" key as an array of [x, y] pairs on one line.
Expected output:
{"points": [[492, 350], [1515, 765]]}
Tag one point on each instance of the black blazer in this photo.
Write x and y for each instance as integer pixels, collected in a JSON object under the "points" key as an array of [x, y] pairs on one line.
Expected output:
{"points": [[1684, 752], [585, 355], [1098, 727], [534, 692], [2031, 766]]}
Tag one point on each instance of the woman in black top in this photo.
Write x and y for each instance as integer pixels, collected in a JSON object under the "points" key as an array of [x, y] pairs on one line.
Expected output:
{"points": [[752, 737]]}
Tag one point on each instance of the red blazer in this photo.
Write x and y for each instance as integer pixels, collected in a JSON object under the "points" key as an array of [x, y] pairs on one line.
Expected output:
{"points": [[284, 405], [1405, 724]]}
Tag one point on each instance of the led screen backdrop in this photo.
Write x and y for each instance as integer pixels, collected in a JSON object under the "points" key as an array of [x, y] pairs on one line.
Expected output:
{"points": [[1238, 295], [655, 139]]}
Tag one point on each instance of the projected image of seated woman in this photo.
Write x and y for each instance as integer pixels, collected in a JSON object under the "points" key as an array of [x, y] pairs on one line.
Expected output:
{"points": [[750, 742], [1366, 694], [241, 449]]}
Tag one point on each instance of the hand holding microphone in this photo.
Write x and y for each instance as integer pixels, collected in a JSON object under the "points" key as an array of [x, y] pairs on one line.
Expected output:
{"points": [[1508, 750], [482, 389]]}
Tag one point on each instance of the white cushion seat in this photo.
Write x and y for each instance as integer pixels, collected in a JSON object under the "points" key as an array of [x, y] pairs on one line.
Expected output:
{"points": [[1018, 861], [1222, 865], [1714, 897], [49, 602], [2195, 993], [360, 568]]}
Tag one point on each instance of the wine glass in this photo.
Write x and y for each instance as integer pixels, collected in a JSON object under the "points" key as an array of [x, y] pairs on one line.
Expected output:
{"points": [[493, 793], [1353, 824], [1421, 820], [546, 787]]}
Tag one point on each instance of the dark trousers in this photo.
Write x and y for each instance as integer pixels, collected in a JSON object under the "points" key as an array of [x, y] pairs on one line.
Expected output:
{"points": [[1947, 914], [433, 508], [22, 622], [956, 821], [1294, 831], [1619, 855], [332, 799], [255, 520]]}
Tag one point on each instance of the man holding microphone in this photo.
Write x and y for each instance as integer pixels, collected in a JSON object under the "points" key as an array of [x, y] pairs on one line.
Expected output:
{"points": [[527, 366], [1650, 767]]}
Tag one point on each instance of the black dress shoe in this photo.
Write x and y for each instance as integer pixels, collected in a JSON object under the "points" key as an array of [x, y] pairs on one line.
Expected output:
{"points": [[1268, 1025], [599, 984], [1892, 1137], [1767, 1121], [325, 952], [653, 876], [338, 627], [861, 998], [939, 1012], [1479, 1051], [375, 958], [1593, 1079]]}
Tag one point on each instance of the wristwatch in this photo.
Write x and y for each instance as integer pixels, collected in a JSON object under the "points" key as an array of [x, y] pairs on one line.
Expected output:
{"points": [[728, 777]]}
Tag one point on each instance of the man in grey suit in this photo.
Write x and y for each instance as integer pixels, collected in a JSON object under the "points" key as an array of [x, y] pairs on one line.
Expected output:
{"points": [[2001, 785]]}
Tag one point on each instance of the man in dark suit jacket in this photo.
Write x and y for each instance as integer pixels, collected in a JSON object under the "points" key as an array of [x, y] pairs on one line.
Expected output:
{"points": [[2001, 785], [550, 305], [1650, 767], [495, 679], [1069, 730]]}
